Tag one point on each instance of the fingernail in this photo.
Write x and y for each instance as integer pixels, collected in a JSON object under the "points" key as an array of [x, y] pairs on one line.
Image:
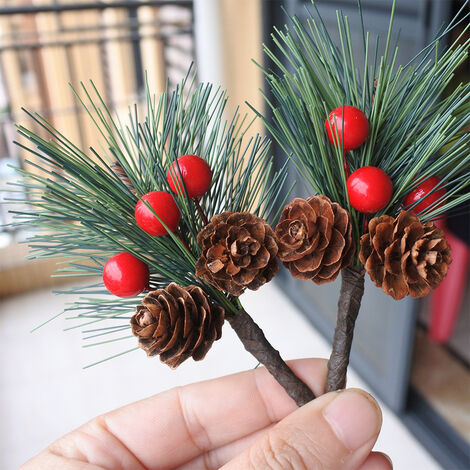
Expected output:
{"points": [[354, 417], [375, 461]]}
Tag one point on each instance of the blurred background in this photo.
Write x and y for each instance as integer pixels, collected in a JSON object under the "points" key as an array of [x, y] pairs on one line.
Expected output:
{"points": [[413, 355]]}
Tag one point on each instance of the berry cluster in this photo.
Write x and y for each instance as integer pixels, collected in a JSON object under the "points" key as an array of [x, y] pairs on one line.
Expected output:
{"points": [[157, 213], [369, 188]]}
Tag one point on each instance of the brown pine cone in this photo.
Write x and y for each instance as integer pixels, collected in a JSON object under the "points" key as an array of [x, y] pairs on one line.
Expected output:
{"points": [[314, 238], [238, 251], [403, 256], [177, 323]]}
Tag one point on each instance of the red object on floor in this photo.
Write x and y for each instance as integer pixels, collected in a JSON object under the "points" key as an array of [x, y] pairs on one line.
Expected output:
{"points": [[447, 298]]}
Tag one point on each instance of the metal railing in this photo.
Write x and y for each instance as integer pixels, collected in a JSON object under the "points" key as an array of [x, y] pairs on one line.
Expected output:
{"points": [[42, 47], [79, 6]]}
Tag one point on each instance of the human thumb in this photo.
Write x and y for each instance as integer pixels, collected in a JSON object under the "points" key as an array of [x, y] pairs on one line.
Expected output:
{"points": [[335, 431]]}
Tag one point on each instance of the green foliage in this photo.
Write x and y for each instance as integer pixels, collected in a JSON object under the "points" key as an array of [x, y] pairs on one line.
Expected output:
{"points": [[410, 121], [81, 211]]}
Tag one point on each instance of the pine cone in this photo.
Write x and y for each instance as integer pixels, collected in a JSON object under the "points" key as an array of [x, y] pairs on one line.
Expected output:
{"points": [[314, 238], [238, 251], [177, 323], [403, 256]]}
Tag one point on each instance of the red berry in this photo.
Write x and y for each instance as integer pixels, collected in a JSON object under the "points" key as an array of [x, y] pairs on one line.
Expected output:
{"points": [[125, 275], [353, 127], [422, 192], [369, 189], [164, 206], [196, 173]]}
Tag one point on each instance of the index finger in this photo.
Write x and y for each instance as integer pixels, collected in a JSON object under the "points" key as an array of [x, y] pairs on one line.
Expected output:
{"points": [[174, 427]]}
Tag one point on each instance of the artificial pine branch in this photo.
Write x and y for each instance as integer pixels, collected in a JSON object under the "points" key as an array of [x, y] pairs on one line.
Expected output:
{"points": [[85, 204], [409, 122]]}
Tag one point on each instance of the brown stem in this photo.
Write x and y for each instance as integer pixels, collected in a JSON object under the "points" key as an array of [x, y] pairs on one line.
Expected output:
{"points": [[374, 90], [256, 343], [346, 166], [366, 223], [205, 221], [121, 174], [183, 241], [352, 290]]}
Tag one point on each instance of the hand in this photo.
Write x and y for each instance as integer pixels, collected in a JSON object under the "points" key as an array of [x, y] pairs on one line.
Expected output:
{"points": [[241, 422]]}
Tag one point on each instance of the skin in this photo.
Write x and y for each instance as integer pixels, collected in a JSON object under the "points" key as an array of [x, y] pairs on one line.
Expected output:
{"points": [[242, 421]]}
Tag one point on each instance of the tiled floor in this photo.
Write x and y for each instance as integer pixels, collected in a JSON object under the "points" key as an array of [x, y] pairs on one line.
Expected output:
{"points": [[443, 381], [44, 392]]}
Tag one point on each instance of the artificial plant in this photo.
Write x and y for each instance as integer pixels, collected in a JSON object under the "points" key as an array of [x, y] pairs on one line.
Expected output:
{"points": [[368, 139], [175, 211], [129, 213]]}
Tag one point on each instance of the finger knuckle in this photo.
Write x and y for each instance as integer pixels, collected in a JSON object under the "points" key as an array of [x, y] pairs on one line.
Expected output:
{"points": [[278, 453]]}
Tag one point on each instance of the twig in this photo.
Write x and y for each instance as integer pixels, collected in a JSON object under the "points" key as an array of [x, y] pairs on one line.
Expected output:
{"points": [[205, 221], [352, 290], [255, 342], [184, 242], [346, 166], [121, 174], [366, 223]]}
